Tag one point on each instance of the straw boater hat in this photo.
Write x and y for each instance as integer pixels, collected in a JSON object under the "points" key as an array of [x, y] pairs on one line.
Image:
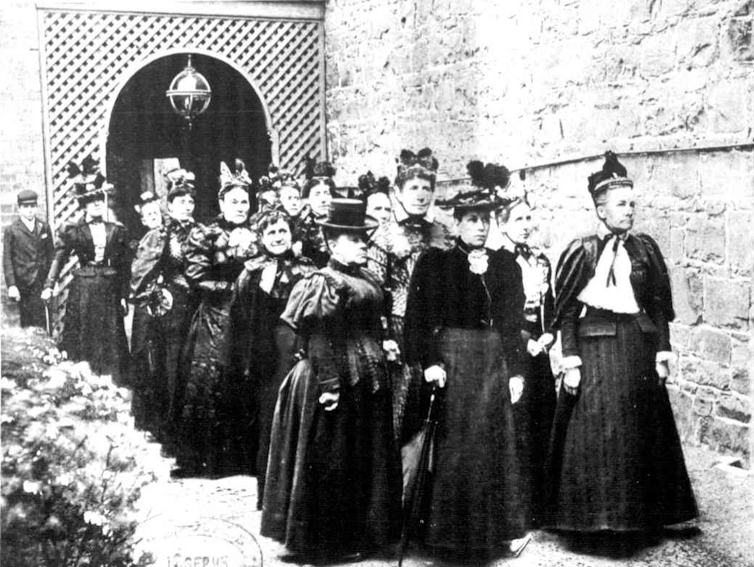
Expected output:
{"points": [[349, 215], [613, 174], [88, 182]]}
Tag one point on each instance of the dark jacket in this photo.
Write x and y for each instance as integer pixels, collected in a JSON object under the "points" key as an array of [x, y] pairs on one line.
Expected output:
{"points": [[445, 293], [76, 238], [649, 281], [26, 255]]}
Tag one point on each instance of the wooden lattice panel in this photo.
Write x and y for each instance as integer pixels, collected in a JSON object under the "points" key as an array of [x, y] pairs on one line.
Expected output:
{"points": [[88, 55]]}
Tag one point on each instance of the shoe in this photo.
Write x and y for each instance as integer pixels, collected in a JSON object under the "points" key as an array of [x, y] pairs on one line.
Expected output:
{"points": [[517, 545]]}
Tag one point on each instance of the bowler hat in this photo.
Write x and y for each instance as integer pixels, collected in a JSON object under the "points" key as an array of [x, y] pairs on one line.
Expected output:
{"points": [[27, 197], [349, 215]]}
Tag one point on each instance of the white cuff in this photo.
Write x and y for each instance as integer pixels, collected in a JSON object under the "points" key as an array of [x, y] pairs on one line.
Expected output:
{"points": [[665, 356], [569, 362]]}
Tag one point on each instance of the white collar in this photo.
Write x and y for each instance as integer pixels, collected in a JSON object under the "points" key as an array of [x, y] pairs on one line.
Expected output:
{"points": [[29, 224], [604, 232], [400, 214]]}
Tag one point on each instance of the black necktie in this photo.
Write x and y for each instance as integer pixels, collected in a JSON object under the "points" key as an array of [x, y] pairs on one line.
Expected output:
{"points": [[611, 272], [523, 250]]}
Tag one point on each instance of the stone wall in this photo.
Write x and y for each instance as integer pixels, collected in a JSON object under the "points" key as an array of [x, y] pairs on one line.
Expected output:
{"points": [[21, 153], [546, 87]]}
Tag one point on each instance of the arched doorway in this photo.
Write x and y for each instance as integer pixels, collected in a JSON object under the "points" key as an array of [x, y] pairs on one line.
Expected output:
{"points": [[145, 134]]}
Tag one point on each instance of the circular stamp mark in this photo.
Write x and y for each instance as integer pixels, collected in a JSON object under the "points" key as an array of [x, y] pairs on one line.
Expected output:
{"points": [[196, 542]]}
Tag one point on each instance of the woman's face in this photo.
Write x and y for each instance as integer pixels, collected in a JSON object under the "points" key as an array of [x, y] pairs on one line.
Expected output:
{"points": [[290, 198], [379, 207], [473, 228], [349, 248], [319, 199], [235, 205], [276, 238], [95, 209], [617, 211], [519, 226], [415, 196], [182, 207], [151, 217]]}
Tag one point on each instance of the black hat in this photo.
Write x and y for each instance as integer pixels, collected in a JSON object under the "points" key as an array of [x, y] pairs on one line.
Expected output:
{"points": [[421, 164], [238, 178], [88, 182], [612, 174], [180, 182], [318, 169], [145, 198], [369, 185], [349, 215], [27, 197]]}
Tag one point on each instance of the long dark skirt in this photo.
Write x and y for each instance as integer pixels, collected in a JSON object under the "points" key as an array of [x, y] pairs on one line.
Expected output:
{"points": [[333, 478], [93, 327], [268, 388], [406, 385], [618, 463], [478, 493], [533, 416], [156, 344], [207, 400]]}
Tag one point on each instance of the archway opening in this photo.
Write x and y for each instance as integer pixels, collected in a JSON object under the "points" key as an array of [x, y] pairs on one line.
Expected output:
{"points": [[146, 136]]}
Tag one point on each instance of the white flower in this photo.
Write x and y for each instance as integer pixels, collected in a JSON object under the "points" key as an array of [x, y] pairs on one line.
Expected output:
{"points": [[478, 261], [32, 487], [94, 518]]}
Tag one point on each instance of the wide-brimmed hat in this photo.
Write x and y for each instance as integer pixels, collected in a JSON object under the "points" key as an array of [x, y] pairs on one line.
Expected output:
{"points": [[349, 215], [613, 174], [88, 182], [473, 199]]}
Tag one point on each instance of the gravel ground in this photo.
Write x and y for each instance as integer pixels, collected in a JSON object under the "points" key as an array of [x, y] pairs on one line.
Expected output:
{"points": [[723, 536]]}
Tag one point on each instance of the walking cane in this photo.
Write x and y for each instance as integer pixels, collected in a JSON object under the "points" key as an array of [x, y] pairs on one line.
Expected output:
{"points": [[47, 318]]}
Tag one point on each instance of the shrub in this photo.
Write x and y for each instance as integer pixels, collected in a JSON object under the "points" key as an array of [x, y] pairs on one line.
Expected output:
{"points": [[73, 467]]}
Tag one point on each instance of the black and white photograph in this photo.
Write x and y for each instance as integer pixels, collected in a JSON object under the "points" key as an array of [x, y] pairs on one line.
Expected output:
{"points": [[392, 283]]}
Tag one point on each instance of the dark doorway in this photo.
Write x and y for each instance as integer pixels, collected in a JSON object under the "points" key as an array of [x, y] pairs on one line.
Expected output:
{"points": [[144, 128]]}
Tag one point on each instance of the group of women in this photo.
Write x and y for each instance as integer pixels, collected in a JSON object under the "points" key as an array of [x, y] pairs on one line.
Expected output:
{"points": [[277, 344]]}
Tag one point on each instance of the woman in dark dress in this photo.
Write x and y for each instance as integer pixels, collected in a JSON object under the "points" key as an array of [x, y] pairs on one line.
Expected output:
{"points": [[333, 479], [617, 460], [318, 192], [163, 308], [93, 327], [463, 323], [261, 348], [215, 256], [535, 412]]}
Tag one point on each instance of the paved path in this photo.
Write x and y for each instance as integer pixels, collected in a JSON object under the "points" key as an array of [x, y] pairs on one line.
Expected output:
{"points": [[722, 537]]}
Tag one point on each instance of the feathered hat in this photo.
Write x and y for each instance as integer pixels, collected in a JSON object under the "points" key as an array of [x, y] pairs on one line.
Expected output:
{"points": [[88, 182], [276, 179], [180, 182], [421, 164], [315, 169], [230, 180], [487, 181], [612, 174]]}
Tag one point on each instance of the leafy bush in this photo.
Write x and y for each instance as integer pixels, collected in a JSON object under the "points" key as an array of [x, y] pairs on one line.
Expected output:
{"points": [[73, 467]]}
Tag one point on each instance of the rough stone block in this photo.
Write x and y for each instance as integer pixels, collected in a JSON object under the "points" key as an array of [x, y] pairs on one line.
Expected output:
{"points": [[687, 289], [704, 402], [705, 373], [680, 336], [729, 175], [727, 302], [739, 38], [705, 238], [741, 239], [696, 42], [711, 345], [735, 407], [741, 361], [681, 403], [726, 103], [727, 437], [677, 250]]}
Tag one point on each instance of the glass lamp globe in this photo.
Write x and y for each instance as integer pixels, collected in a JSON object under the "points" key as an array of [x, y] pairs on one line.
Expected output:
{"points": [[189, 93]]}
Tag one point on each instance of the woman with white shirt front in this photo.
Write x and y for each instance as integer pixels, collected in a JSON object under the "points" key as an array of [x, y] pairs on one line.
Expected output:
{"points": [[617, 462], [535, 412]]}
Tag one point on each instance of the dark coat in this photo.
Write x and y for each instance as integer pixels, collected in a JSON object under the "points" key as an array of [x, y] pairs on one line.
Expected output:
{"points": [[616, 458], [26, 255]]}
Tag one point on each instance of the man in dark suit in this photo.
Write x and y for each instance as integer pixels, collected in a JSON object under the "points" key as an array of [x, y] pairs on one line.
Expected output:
{"points": [[27, 255]]}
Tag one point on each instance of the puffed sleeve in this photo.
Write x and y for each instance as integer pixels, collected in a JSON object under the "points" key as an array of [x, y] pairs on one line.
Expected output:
{"points": [[658, 301], [314, 309], [571, 275], [424, 310], [146, 264], [63, 248]]}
